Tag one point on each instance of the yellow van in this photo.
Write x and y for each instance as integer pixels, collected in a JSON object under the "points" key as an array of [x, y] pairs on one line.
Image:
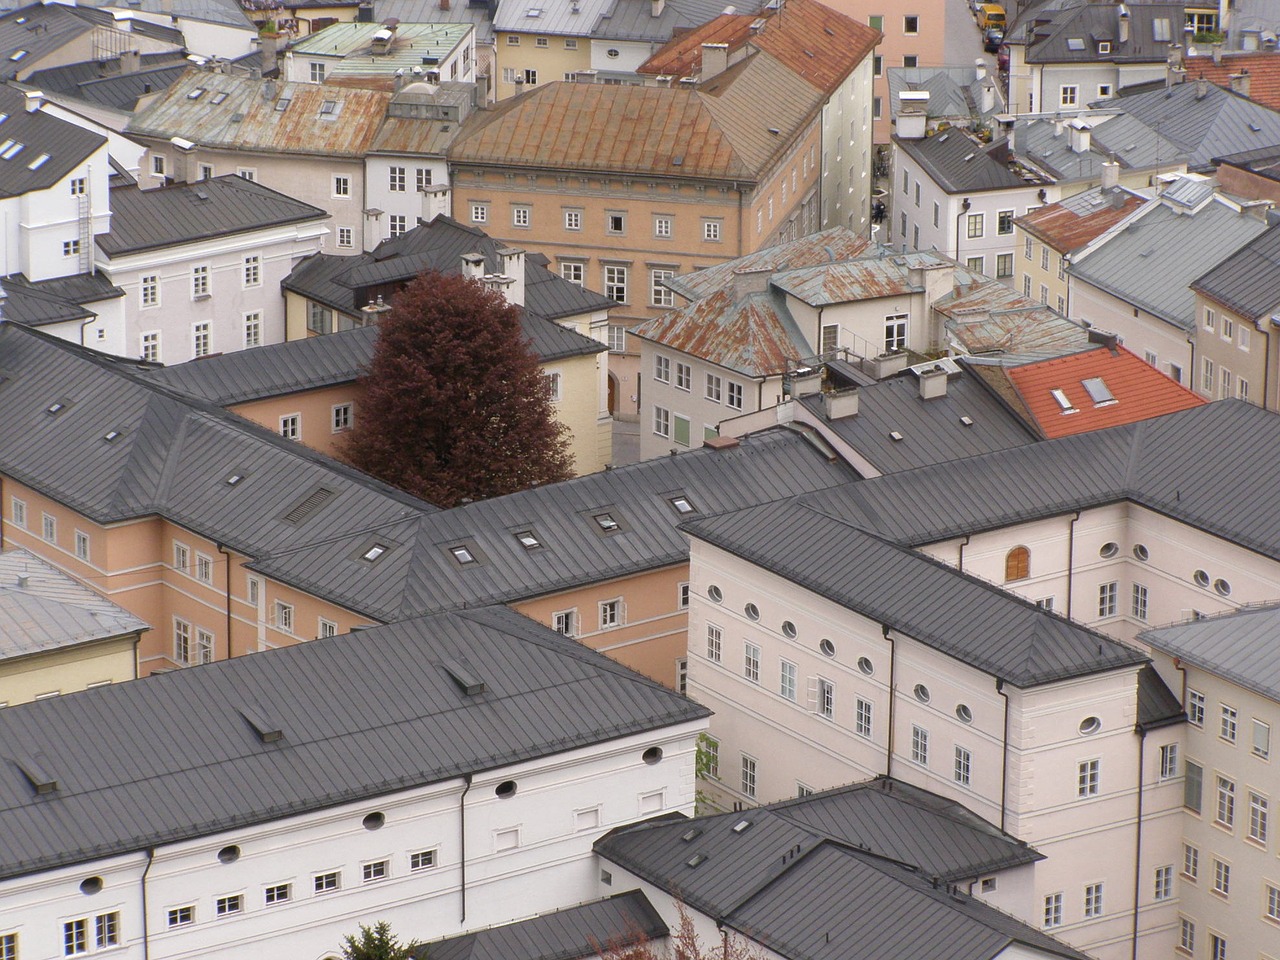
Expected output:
{"points": [[990, 15]]}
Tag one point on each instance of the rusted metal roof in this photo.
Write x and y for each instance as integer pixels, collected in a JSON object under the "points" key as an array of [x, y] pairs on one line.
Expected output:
{"points": [[1073, 223], [813, 40], [266, 116], [754, 335], [983, 316], [722, 130], [864, 279]]}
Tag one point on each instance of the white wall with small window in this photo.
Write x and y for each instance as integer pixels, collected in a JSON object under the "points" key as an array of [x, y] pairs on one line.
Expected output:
{"points": [[411, 187]]}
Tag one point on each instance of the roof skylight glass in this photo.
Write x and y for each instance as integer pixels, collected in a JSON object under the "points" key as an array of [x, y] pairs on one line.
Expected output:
{"points": [[606, 522], [1098, 391], [682, 504], [528, 540], [1063, 402], [462, 555], [374, 552]]}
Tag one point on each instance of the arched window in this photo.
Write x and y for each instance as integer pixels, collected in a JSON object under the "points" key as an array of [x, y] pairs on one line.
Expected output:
{"points": [[1017, 564]]}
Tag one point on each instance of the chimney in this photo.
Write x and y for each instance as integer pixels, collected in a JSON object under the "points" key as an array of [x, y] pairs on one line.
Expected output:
{"points": [[435, 202], [715, 60], [840, 404], [913, 114], [1175, 55], [1081, 135], [130, 61], [656, 7], [1240, 82], [1216, 49], [979, 69], [1110, 175], [1202, 88], [511, 261], [1124, 24], [473, 265], [805, 382], [34, 100], [398, 84], [988, 95], [887, 364], [444, 5], [1250, 40], [184, 160], [933, 383], [1102, 338], [23, 580]]}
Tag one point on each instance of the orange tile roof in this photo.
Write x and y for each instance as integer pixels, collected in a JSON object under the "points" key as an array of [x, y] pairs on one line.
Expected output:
{"points": [[1065, 227], [1263, 67], [818, 43], [1140, 391]]}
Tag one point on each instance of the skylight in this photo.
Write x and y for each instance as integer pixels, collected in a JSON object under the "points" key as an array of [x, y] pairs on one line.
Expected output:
{"points": [[328, 108], [696, 859], [196, 94], [1063, 403], [38, 162], [1075, 43], [55, 408], [606, 522], [3, 117], [374, 552], [1098, 391], [110, 435], [682, 504], [741, 825], [528, 540], [233, 479], [8, 153], [462, 555], [283, 104], [218, 97], [17, 55], [534, 12]]}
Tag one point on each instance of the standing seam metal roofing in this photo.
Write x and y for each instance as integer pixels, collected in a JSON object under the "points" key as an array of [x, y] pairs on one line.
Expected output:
{"points": [[1247, 281], [1239, 646], [64, 145], [363, 716]]}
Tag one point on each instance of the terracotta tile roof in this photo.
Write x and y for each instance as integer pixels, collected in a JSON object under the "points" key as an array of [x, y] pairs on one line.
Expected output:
{"points": [[721, 130], [813, 40], [1263, 68], [1139, 391], [1076, 222]]}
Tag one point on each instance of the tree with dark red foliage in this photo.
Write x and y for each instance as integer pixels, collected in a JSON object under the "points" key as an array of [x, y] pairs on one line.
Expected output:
{"points": [[455, 403]]}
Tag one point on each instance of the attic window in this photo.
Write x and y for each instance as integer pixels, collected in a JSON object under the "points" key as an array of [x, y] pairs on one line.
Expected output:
{"points": [[462, 555], [682, 504], [305, 508], [967, 421], [268, 730], [43, 781], [1063, 403], [690, 835], [374, 552], [38, 162], [1104, 46], [11, 151], [17, 55], [110, 435], [467, 681], [741, 825], [1075, 44], [233, 478], [283, 104], [1098, 392], [695, 860], [196, 94], [329, 108], [895, 436], [534, 13], [606, 522], [528, 540], [218, 97]]}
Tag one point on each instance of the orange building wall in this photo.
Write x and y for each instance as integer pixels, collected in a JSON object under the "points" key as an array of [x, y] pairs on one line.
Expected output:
{"points": [[316, 409]]}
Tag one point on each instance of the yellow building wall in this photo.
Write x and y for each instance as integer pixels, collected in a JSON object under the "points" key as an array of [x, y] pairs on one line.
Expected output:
{"points": [[68, 669], [1034, 280], [550, 62]]}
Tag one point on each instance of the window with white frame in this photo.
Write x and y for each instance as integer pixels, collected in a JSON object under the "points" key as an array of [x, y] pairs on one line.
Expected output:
{"points": [[1192, 786], [252, 270], [1221, 877], [711, 230], [200, 339], [733, 395], [181, 556], [342, 186], [1108, 599], [326, 882], [1093, 900], [682, 597], [862, 718], [617, 338], [1195, 708], [249, 173], [565, 622], [662, 227], [291, 426], [615, 282], [1190, 861], [571, 271], [714, 387], [751, 662], [1259, 813], [1053, 910], [284, 616], [1164, 883], [396, 180], [423, 860], [1139, 607], [317, 71], [340, 417], [253, 329], [18, 510], [1068, 95], [204, 646], [1168, 761], [919, 745], [521, 216], [49, 528], [748, 775], [610, 614], [787, 680], [345, 237], [659, 294], [662, 368], [1228, 726], [662, 421], [181, 641], [1186, 935], [974, 225], [895, 332], [204, 568], [826, 699], [374, 871], [963, 766], [684, 376], [479, 213], [150, 290], [1088, 778], [277, 893], [1261, 739], [615, 222], [200, 281], [1207, 377], [326, 628], [715, 642], [397, 224], [1271, 906], [82, 546], [709, 756], [1226, 809], [573, 219], [552, 381]]}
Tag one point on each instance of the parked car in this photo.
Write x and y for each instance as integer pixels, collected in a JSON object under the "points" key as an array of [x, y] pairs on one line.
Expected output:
{"points": [[991, 15], [1002, 58], [992, 39]]}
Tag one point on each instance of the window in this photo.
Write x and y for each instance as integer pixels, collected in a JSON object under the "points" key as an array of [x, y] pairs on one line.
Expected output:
{"points": [[1190, 861], [1228, 328], [71, 248], [1193, 786], [662, 228], [1243, 338], [77, 186], [1068, 94], [748, 775], [157, 166], [974, 225], [199, 281], [1139, 601], [1221, 877], [862, 718], [1093, 900], [826, 699], [521, 216], [1261, 739], [1258, 813], [617, 338], [181, 557], [733, 397], [615, 283], [1186, 935], [565, 622], [610, 614], [204, 647], [911, 61], [204, 568], [571, 43], [106, 931], [1228, 726], [1017, 564], [75, 937], [662, 421], [49, 528], [714, 385], [1195, 708], [226, 906], [659, 295], [423, 178], [1168, 761], [1004, 265], [1227, 384], [326, 882], [1272, 905], [479, 213], [326, 628], [284, 616], [371, 872], [1053, 910], [1217, 947], [248, 173], [552, 381], [150, 290], [920, 745], [396, 225], [342, 186], [710, 757], [182, 916], [1164, 883], [975, 264], [82, 545], [513, 40], [253, 329], [787, 680], [751, 662], [345, 237], [1004, 222], [18, 510], [340, 417], [396, 179], [715, 638], [682, 676], [963, 766], [682, 597], [291, 426], [277, 893], [911, 25], [1087, 778], [895, 332], [319, 319], [1207, 377], [572, 272], [1107, 599], [1226, 813], [200, 339], [317, 72], [684, 376], [253, 271], [711, 229], [615, 222], [422, 860]]}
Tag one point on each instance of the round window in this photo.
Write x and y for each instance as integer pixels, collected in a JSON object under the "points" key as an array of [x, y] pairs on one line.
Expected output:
{"points": [[922, 693], [866, 666], [90, 885], [964, 713], [229, 854], [612, 53], [1201, 578], [1223, 588], [1109, 550], [715, 593], [1090, 725], [373, 821], [505, 790], [652, 755], [1141, 552], [827, 647], [788, 629], [752, 611]]}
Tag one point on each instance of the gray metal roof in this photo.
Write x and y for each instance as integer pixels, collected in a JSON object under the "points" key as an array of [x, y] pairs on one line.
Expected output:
{"points": [[1158, 706], [1072, 35], [25, 304], [188, 212], [479, 14], [558, 17], [42, 609], [63, 145], [1204, 120], [1238, 646], [363, 715], [574, 933], [773, 871], [634, 19], [1247, 281], [1046, 142], [1152, 261], [39, 30], [953, 91], [932, 431], [959, 164], [224, 12], [814, 543]]}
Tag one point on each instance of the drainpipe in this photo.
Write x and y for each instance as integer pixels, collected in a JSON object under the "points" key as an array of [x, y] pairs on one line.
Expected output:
{"points": [[1177, 665], [1137, 843], [1004, 756], [462, 846], [223, 550], [1071, 558], [146, 935], [960, 558], [1266, 368], [893, 696], [1, 513], [964, 208], [83, 324]]}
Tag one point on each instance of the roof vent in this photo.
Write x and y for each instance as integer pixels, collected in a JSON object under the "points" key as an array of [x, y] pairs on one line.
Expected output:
{"points": [[967, 421], [268, 731], [110, 435], [41, 779], [460, 674], [741, 826], [690, 835], [309, 505], [695, 860], [895, 436]]}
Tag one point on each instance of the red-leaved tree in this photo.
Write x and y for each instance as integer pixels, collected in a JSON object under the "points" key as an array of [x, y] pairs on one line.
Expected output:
{"points": [[455, 404]]}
